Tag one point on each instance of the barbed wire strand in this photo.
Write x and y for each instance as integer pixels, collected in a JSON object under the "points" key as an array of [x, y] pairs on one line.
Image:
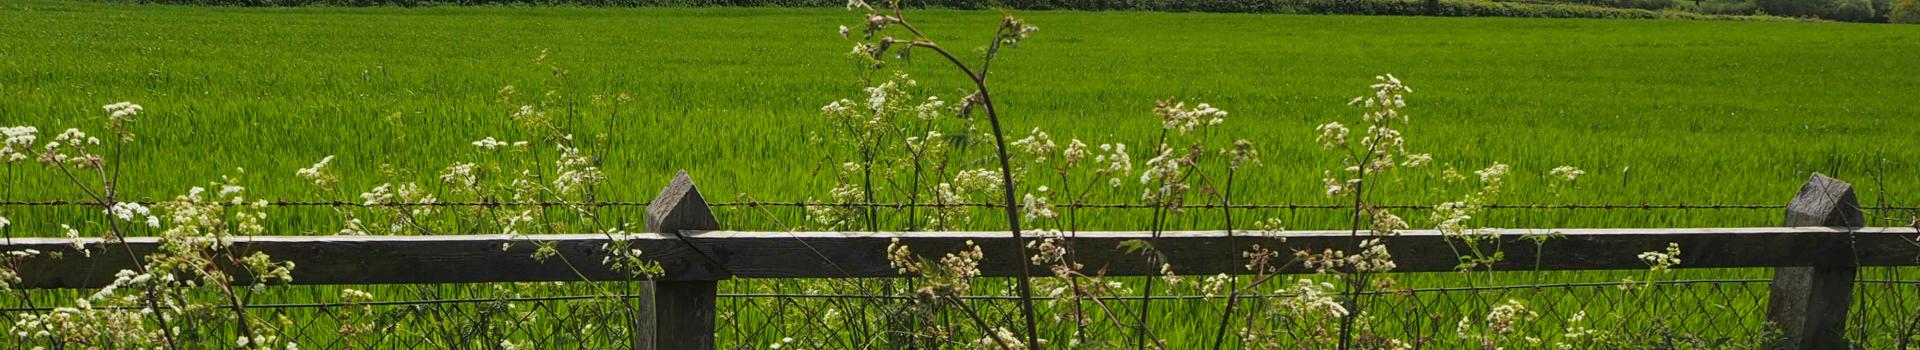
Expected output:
{"points": [[750, 204]]}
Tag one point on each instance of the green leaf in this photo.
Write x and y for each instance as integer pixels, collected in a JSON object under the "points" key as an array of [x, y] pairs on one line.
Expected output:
{"points": [[1136, 246]]}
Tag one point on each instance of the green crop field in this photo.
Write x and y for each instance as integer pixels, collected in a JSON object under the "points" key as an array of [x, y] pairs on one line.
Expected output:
{"points": [[1656, 112]]}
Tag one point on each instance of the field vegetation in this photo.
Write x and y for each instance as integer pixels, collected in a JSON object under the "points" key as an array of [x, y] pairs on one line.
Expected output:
{"points": [[1657, 112]]}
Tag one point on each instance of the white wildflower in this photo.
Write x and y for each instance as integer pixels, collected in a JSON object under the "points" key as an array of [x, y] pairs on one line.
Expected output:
{"points": [[981, 180], [1567, 172], [16, 136], [1178, 117], [317, 172], [379, 194], [1038, 144], [1662, 261], [1493, 176], [490, 144], [460, 174], [121, 111], [1036, 207], [931, 109], [355, 295], [1332, 135], [1507, 316]]}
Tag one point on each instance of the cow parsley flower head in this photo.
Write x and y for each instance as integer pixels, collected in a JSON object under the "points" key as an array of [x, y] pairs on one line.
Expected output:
{"points": [[1417, 160], [980, 180], [21, 137], [931, 109], [1016, 30], [1242, 154], [1493, 176], [576, 170], [318, 172], [120, 112], [1662, 261], [489, 143], [1039, 145], [1003, 339], [1175, 115], [841, 107], [1075, 152], [1506, 317], [130, 211], [378, 195], [1037, 207], [71, 147], [1567, 172], [1317, 299], [1333, 135], [460, 174]]}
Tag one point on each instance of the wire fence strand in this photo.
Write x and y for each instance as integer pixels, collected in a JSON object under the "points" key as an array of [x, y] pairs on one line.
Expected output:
{"points": [[802, 204]]}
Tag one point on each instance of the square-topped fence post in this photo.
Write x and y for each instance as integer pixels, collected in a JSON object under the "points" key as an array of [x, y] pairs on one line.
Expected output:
{"points": [[1809, 304], [679, 314]]}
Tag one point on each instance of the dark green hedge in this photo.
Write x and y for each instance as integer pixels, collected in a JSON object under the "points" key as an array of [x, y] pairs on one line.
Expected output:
{"points": [[1457, 8]]}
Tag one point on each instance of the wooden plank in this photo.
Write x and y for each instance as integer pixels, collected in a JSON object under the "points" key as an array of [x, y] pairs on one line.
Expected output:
{"points": [[478, 258], [1810, 303]]}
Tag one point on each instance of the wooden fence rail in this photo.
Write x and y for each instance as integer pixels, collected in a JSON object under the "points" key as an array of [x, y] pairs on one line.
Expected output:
{"points": [[1815, 254]]}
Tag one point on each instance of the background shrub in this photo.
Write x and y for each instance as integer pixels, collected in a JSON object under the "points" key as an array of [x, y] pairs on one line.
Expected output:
{"points": [[1851, 11], [1794, 8], [1905, 11]]}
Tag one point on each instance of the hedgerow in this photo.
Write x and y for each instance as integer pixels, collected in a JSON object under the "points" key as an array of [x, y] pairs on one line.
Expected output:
{"points": [[1450, 8]]}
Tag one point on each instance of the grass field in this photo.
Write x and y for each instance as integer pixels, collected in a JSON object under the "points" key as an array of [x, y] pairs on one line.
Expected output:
{"points": [[1700, 111], [1656, 111]]}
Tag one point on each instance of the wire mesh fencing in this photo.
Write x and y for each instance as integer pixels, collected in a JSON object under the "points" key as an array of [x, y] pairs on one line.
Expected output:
{"points": [[878, 313]]}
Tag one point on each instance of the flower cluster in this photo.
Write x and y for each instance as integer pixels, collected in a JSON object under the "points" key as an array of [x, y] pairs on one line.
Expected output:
{"points": [[1381, 148], [1662, 262], [1013, 30], [575, 170], [71, 147], [1373, 258], [1504, 318], [1115, 162], [1175, 115], [18, 142], [1567, 172], [1038, 145], [1036, 207], [622, 257], [1306, 316], [318, 173], [1500, 326], [119, 115], [952, 275]]}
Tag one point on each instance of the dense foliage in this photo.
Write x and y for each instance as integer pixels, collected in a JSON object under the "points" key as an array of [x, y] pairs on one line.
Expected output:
{"points": [[1643, 9], [1907, 11]]}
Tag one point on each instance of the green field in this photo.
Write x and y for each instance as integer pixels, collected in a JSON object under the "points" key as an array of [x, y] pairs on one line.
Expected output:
{"points": [[1700, 111], [1656, 111]]}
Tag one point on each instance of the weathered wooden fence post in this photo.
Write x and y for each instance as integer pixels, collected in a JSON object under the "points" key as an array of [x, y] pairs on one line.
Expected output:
{"points": [[679, 314], [1809, 304]]}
